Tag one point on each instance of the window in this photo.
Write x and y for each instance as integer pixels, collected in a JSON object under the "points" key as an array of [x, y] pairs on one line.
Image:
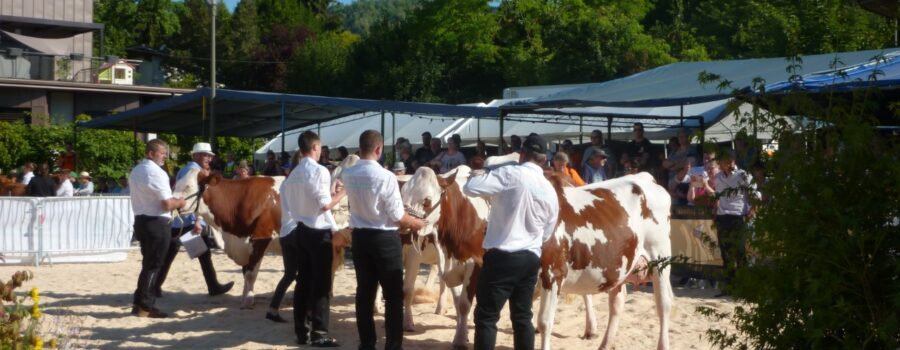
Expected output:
{"points": [[120, 73]]}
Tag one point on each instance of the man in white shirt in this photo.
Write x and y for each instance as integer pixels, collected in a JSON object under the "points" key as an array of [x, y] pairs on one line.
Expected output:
{"points": [[65, 188], [27, 173], [524, 212], [734, 187], [306, 200], [376, 213], [151, 200]]}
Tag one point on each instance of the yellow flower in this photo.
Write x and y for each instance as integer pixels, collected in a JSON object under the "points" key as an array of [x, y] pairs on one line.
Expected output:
{"points": [[35, 294], [52, 344], [38, 343], [35, 311]]}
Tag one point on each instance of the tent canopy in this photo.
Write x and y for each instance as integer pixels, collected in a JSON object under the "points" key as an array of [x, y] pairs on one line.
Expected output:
{"points": [[259, 114], [677, 83]]}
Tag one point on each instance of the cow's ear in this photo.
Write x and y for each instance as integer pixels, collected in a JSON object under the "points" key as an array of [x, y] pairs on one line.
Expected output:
{"points": [[446, 181], [208, 179]]}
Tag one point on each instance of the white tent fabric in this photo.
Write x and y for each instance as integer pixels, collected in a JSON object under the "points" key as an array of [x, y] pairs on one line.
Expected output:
{"points": [[345, 131]]}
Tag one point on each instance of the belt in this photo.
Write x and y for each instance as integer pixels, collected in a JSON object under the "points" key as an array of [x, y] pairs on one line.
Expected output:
{"points": [[373, 230]]}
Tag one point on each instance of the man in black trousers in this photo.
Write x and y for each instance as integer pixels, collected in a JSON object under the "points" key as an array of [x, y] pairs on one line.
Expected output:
{"points": [[376, 214], [151, 200], [306, 200], [524, 211]]}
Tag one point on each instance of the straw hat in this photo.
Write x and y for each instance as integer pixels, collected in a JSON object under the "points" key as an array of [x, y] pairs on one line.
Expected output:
{"points": [[398, 166], [84, 174], [202, 147]]}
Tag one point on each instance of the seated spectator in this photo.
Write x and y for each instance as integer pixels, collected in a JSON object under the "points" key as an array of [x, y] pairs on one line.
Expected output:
{"points": [[405, 157], [452, 157], [639, 148], [41, 184], [632, 166], [426, 153], [679, 185], [597, 144], [701, 193], [561, 165], [594, 170], [65, 188], [342, 153], [87, 187], [271, 167], [683, 156], [121, 187], [243, 171]]}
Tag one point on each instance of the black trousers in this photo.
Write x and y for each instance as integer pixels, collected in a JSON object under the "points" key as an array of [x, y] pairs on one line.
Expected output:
{"points": [[731, 230], [153, 234], [506, 276], [312, 294], [378, 259], [289, 259], [206, 264]]}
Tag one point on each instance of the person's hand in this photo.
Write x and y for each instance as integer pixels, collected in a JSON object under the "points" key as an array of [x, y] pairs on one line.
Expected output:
{"points": [[417, 224], [197, 228], [180, 202]]}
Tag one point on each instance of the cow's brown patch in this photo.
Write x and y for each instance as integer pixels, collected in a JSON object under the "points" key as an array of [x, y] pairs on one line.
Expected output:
{"points": [[553, 262], [245, 208], [607, 217], [460, 230], [645, 210]]}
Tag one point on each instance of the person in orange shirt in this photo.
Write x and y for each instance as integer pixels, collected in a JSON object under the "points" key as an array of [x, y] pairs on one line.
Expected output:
{"points": [[67, 158], [561, 165]]}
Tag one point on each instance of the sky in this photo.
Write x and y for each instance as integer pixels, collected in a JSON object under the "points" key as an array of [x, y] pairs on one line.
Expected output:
{"points": [[232, 3]]}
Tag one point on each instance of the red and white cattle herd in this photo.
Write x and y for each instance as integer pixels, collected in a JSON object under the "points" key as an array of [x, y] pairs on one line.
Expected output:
{"points": [[607, 234]]}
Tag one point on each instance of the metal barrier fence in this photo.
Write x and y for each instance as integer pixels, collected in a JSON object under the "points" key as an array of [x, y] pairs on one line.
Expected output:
{"points": [[74, 229]]}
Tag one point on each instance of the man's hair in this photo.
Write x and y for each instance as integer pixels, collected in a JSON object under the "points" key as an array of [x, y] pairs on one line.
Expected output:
{"points": [[639, 124], [42, 170], [515, 140], [598, 132], [426, 134], [726, 155], [306, 140], [155, 145], [369, 140], [532, 156]]}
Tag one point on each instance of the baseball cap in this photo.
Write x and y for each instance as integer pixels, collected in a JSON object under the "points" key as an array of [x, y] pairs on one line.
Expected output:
{"points": [[534, 143]]}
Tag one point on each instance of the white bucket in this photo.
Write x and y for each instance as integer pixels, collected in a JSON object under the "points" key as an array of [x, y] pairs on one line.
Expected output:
{"points": [[193, 244]]}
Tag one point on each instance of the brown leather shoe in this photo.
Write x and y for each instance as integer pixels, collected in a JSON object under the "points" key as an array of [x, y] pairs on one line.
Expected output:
{"points": [[149, 313]]}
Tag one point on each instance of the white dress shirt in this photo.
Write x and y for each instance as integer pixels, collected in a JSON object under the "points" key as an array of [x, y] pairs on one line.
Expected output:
{"points": [[26, 178], [149, 187], [373, 196], [524, 207], [737, 201], [65, 189], [303, 194]]}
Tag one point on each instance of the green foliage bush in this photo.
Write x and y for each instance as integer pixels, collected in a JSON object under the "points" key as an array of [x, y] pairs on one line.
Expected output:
{"points": [[827, 243]]}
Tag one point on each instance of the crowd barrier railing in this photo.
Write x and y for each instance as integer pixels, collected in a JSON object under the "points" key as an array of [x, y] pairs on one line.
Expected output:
{"points": [[71, 229]]}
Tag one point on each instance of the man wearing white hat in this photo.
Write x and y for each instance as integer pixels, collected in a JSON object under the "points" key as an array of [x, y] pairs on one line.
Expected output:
{"points": [[87, 187], [201, 154]]}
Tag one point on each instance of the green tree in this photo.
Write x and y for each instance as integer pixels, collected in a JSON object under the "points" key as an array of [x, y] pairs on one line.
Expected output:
{"points": [[322, 66], [360, 16], [119, 18], [825, 244], [191, 47], [241, 46], [155, 22]]}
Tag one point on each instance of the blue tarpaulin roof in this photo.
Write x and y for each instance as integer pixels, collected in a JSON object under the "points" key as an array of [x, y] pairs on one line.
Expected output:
{"points": [[257, 114], [676, 84]]}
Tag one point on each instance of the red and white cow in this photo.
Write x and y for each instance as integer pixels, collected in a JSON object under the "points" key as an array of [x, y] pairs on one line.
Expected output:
{"points": [[245, 209], [607, 234]]}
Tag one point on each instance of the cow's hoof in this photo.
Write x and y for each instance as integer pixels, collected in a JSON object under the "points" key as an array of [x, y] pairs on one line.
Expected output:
{"points": [[409, 329], [588, 336]]}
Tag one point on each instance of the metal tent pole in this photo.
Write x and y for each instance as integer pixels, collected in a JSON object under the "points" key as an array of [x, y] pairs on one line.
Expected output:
{"points": [[580, 130], [282, 127], [500, 142]]}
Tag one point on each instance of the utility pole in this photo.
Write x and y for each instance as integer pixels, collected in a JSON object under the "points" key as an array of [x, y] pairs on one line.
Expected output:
{"points": [[212, 72]]}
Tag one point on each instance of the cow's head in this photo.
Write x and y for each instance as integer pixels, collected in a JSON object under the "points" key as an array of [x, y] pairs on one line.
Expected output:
{"points": [[190, 187], [421, 194]]}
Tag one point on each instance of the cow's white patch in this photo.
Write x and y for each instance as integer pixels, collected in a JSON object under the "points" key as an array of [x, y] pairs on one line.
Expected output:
{"points": [[583, 281], [588, 235], [579, 198]]}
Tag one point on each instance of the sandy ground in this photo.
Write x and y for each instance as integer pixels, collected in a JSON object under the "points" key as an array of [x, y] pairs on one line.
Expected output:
{"points": [[98, 298]]}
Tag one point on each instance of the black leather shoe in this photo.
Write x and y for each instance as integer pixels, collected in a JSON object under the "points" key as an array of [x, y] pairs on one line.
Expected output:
{"points": [[275, 318], [325, 342], [221, 289]]}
